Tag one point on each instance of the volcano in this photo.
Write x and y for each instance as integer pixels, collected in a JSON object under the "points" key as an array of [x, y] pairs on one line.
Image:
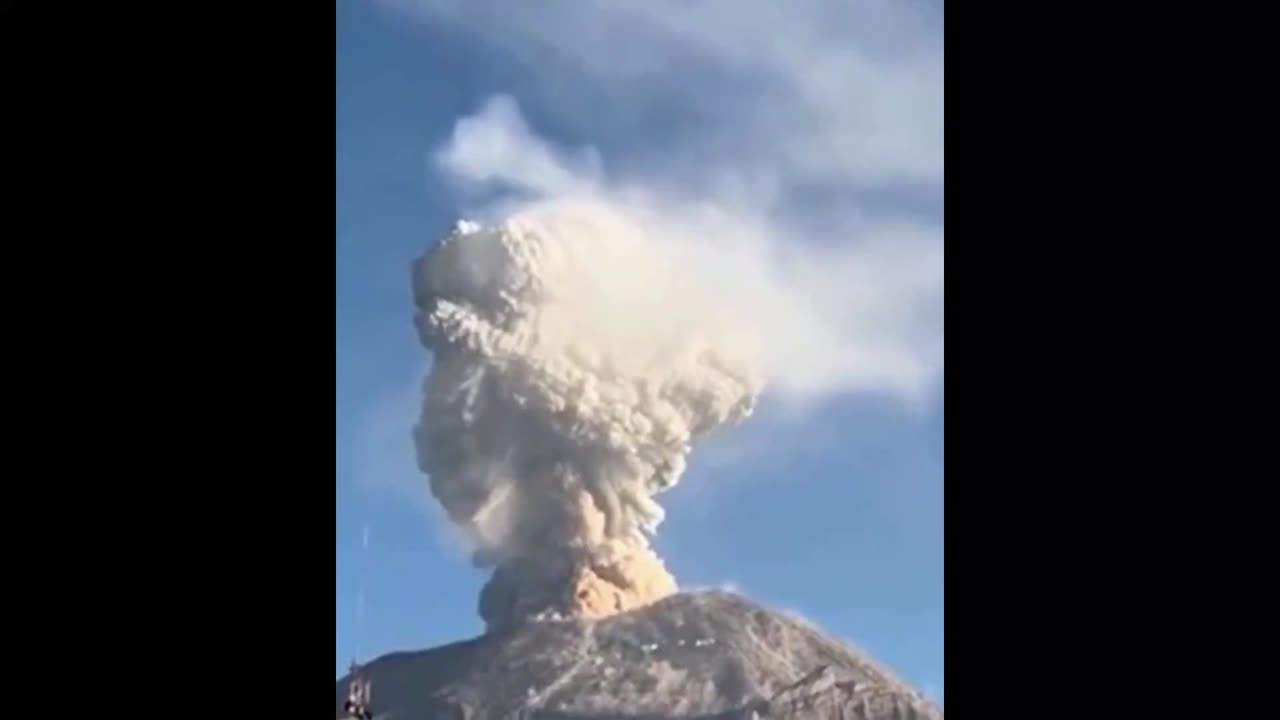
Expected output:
{"points": [[690, 656]]}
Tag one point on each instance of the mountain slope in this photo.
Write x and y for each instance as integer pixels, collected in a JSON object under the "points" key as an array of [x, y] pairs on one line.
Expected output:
{"points": [[692, 655]]}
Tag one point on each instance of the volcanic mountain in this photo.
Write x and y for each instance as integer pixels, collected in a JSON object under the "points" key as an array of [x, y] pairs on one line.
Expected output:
{"points": [[690, 656]]}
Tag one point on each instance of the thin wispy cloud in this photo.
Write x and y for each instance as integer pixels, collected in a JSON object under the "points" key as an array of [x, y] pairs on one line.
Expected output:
{"points": [[845, 90], [384, 463]]}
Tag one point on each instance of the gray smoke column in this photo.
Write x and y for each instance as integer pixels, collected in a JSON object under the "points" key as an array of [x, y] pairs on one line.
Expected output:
{"points": [[575, 363]]}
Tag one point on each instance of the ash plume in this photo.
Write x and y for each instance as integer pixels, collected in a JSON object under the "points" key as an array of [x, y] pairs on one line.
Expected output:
{"points": [[575, 364]]}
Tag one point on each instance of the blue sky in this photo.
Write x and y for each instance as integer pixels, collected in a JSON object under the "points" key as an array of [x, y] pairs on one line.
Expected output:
{"points": [[832, 509]]}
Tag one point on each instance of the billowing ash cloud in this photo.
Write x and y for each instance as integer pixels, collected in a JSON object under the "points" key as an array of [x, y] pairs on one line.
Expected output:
{"points": [[575, 363], [746, 192]]}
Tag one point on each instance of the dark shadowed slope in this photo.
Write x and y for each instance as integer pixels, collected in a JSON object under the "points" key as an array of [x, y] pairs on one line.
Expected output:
{"points": [[693, 655]]}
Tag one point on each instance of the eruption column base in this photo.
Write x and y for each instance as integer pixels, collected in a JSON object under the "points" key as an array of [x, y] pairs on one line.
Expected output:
{"points": [[574, 583]]}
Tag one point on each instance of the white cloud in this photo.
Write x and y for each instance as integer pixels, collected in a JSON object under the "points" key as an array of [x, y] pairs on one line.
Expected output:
{"points": [[772, 134], [496, 146], [847, 304]]}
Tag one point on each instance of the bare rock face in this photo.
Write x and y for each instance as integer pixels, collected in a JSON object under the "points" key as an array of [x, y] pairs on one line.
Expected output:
{"points": [[693, 655]]}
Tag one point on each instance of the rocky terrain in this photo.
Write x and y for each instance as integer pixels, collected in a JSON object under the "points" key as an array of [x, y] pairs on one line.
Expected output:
{"points": [[693, 655]]}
